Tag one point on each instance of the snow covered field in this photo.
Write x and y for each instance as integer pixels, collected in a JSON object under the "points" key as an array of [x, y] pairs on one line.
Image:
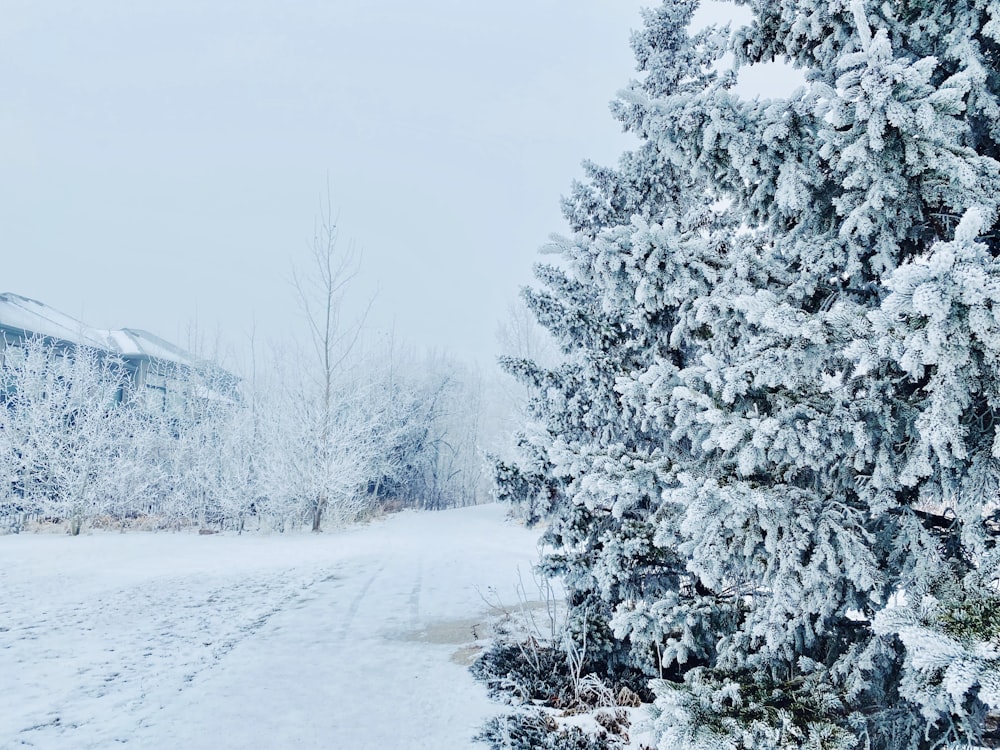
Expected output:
{"points": [[350, 640]]}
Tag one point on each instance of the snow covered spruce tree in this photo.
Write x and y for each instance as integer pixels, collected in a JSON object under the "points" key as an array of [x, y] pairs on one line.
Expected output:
{"points": [[771, 459], [593, 460]]}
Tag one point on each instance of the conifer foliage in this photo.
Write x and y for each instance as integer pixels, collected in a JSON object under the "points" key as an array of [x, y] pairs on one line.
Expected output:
{"points": [[770, 460]]}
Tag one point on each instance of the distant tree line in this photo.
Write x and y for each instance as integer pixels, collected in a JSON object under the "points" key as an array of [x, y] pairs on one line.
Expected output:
{"points": [[80, 445]]}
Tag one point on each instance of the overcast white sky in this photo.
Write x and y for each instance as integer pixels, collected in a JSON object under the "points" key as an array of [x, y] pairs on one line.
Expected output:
{"points": [[162, 164]]}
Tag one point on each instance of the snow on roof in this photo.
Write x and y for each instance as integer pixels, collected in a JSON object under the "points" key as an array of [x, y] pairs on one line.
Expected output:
{"points": [[21, 314], [27, 316], [132, 342]]}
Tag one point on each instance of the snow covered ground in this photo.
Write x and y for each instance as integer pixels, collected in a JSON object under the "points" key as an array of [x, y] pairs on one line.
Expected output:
{"points": [[351, 640]]}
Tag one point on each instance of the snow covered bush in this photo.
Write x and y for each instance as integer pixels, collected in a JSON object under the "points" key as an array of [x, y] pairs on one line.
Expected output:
{"points": [[351, 431], [774, 430], [523, 670], [429, 438], [61, 433], [537, 730]]}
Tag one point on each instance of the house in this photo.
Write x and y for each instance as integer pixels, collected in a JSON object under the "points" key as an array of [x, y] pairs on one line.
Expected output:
{"points": [[155, 367]]}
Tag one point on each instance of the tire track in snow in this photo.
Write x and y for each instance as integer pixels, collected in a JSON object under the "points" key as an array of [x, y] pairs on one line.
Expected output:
{"points": [[355, 605], [414, 600]]}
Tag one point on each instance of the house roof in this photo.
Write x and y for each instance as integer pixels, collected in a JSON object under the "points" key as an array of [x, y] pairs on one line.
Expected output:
{"points": [[27, 316], [24, 316], [136, 343]]}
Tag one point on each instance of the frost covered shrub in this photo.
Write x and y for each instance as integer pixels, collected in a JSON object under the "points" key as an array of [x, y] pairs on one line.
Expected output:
{"points": [[62, 448], [523, 671], [80, 444], [536, 730], [555, 674]]}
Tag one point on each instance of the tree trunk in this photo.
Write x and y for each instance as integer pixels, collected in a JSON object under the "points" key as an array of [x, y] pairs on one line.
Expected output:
{"points": [[318, 515]]}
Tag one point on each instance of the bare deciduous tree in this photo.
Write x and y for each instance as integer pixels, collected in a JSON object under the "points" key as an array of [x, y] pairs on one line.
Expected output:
{"points": [[322, 292]]}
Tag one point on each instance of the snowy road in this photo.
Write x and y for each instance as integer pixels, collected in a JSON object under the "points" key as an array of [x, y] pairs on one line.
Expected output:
{"points": [[348, 640]]}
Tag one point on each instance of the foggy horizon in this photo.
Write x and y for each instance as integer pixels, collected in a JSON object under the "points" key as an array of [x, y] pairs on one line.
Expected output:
{"points": [[164, 167]]}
